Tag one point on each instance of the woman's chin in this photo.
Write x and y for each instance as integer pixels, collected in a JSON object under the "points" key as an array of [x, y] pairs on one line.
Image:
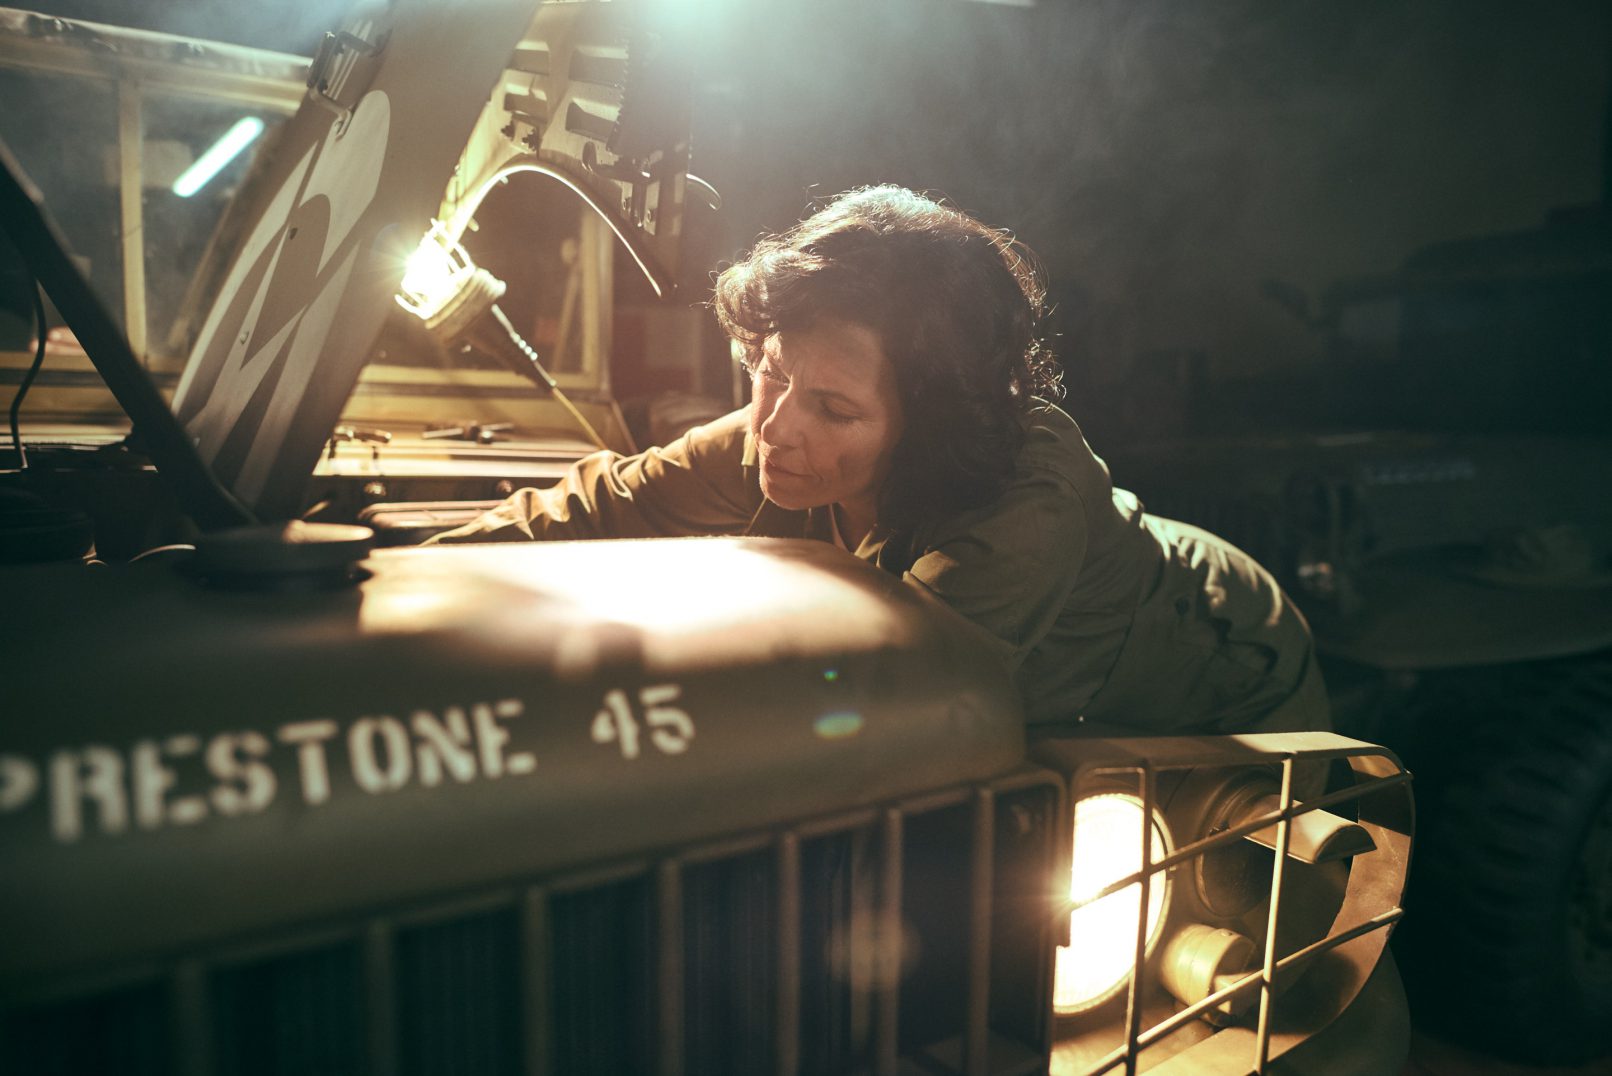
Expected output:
{"points": [[788, 493], [788, 503]]}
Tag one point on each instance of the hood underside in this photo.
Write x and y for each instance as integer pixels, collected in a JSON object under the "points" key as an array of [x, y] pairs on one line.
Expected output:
{"points": [[414, 110]]}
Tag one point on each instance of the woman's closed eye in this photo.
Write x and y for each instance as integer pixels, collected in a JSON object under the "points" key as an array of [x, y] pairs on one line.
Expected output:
{"points": [[835, 416], [763, 371]]}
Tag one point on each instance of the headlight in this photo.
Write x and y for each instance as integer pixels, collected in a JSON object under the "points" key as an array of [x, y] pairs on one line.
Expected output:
{"points": [[1102, 934], [1264, 912]]}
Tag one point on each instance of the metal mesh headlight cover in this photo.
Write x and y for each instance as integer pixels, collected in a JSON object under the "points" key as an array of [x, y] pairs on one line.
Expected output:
{"points": [[1318, 929]]}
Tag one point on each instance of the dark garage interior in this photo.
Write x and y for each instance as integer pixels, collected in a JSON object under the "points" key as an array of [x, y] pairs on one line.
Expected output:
{"points": [[1333, 281]]}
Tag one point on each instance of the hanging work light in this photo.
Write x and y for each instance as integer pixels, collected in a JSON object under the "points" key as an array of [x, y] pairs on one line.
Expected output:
{"points": [[458, 301]]}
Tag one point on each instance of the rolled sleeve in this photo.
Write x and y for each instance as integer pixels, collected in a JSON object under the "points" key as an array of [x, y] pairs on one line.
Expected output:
{"points": [[697, 485]]}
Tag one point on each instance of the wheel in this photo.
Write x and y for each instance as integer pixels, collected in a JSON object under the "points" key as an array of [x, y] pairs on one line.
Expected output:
{"points": [[1508, 933]]}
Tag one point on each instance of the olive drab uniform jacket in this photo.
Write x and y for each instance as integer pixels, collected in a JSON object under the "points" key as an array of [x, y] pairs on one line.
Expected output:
{"points": [[1119, 621]]}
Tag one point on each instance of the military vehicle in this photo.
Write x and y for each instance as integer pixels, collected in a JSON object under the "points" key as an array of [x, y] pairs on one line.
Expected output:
{"points": [[273, 799], [1443, 521]]}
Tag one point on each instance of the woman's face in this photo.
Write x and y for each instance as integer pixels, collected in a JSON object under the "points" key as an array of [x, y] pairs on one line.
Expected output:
{"points": [[826, 418]]}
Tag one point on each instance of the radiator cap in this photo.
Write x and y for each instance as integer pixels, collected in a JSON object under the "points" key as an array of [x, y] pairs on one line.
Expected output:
{"points": [[283, 556]]}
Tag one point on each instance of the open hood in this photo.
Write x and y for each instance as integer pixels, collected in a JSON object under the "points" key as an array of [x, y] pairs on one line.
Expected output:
{"points": [[413, 110]]}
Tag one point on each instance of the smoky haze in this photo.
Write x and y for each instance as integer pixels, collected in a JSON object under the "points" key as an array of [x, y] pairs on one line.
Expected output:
{"points": [[1163, 158]]}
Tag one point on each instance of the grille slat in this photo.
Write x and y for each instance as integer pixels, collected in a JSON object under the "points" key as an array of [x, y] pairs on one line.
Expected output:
{"points": [[537, 983], [730, 932], [669, 967], [295, 1014], [1027, 839], [458, 995], [603, 960], [889, 943], [380, 998], [124, 1031], [192, 1020], [836, 907], [976, 1031], [789, 956]]}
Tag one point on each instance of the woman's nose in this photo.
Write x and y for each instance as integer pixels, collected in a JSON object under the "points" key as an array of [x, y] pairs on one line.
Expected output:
{"points": [[781, 426]]}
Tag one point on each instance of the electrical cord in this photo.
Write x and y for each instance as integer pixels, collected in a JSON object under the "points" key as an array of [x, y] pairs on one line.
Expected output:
{"points": [[28, 379], [548, 380]]}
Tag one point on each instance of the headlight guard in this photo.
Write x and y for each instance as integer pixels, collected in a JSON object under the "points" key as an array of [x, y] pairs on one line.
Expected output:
{"points": [[1250, 862]]}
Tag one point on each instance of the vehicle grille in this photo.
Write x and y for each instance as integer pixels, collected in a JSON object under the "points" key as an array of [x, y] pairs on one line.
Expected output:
{"points": [[917, 933]]}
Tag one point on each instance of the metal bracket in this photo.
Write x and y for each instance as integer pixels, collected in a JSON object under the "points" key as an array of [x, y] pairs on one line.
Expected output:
{"points": [[332, 49], [630, 173]]}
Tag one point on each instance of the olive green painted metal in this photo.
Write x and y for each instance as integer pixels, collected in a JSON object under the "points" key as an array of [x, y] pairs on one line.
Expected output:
{"points": [[460, 716], [626, 806]]}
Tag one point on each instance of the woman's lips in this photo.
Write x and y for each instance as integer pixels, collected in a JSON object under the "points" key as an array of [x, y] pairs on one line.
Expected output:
{"points": [[774, 468]]}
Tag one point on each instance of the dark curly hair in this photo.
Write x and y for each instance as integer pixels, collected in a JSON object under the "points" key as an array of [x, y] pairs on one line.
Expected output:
{"points": [[957, 309]]}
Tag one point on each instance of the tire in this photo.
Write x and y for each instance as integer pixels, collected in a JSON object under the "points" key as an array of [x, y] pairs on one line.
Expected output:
{"points": [[1508, 939]]}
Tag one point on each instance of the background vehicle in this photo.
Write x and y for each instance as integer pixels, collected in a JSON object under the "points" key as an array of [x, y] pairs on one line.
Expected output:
{"points": [[271, 801], [1450, 537]]}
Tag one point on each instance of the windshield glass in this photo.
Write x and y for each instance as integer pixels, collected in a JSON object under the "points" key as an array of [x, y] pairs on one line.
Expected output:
{"points": [[164, 131], [195, 152], [80, 174]]}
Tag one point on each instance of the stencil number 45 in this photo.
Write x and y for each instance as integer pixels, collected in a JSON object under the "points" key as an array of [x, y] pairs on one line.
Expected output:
{"points": [[670, 729]]}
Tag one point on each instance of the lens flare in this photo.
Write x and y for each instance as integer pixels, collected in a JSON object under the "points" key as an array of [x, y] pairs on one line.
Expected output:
{"points": [[838, 726], [1108, 846]]}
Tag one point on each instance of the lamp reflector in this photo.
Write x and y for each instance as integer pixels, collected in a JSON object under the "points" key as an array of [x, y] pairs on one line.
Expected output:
{"points": [[1102, 935]]}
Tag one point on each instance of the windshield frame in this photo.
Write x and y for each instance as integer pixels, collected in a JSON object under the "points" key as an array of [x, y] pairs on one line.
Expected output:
{"points": [[136, 65]]}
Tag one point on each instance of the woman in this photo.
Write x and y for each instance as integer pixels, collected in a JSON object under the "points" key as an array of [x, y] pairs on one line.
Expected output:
{"points": [[901, 409]]}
